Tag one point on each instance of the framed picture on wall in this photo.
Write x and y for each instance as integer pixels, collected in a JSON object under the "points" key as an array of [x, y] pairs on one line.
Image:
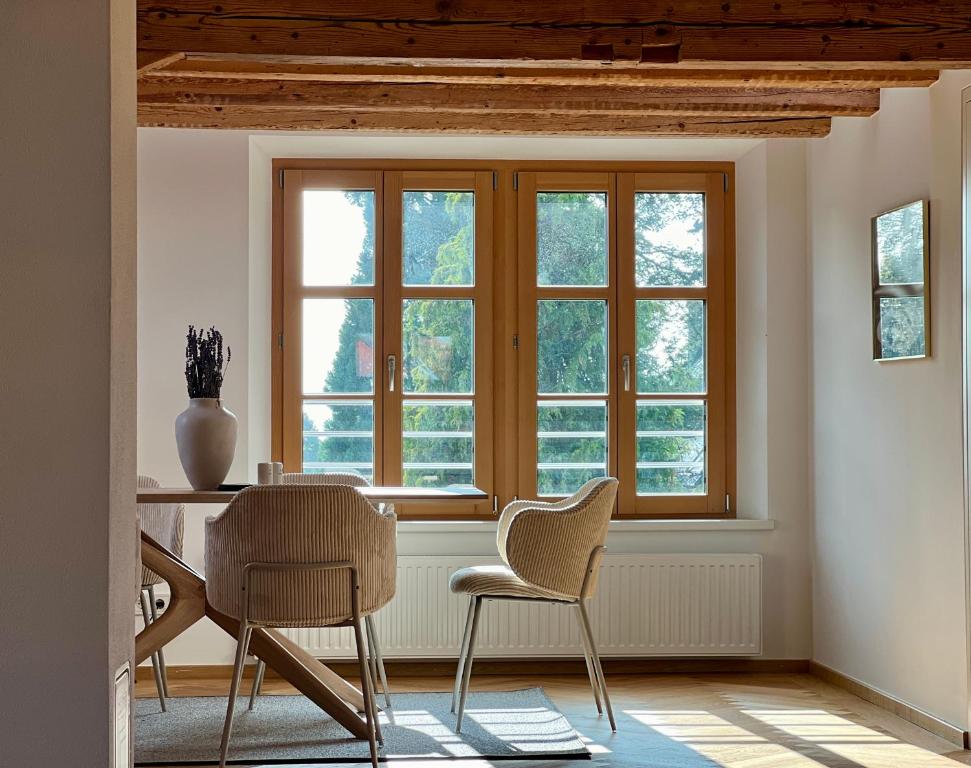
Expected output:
{"points": [[901, 291]]}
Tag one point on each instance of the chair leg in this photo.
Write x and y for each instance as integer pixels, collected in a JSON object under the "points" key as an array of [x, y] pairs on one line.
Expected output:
{"points": [[372, 657], [369, 709], [373, 691], [159, 652], [462, 652], [257, 682], [598, 669], [156, 666], [374, 643], [591, 673], [242, 644], [467, 666]]}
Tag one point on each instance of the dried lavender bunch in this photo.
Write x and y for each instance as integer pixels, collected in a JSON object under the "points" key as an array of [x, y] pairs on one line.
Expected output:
{"points": [[204, 362]]}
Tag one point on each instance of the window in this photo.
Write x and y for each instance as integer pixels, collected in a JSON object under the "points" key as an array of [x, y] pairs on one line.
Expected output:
{"points": [[676, 328], [624, 322], [566, 251], [901, 299], [522, 331], [386, 311]]}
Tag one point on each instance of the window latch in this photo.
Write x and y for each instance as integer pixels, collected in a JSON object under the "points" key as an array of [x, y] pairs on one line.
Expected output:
{"points": [[625, 364], [391, 371]]}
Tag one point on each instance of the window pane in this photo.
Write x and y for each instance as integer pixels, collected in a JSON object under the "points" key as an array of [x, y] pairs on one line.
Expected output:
{"points": [[338, 345], [571, 238], [670, 447], [338, 437], [670, 346], [902, 327], [438, 233], [338, 237], [669, 237], [571, 445], [900, 245], [437, 343], [437, 443], [571, 347]]}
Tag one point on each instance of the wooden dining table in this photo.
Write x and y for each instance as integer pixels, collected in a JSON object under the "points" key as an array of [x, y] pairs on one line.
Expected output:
{"points": [[188, 604]]}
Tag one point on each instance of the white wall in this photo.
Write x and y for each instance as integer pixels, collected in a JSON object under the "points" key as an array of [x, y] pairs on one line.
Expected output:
{"points": [[67, 385], [202, 260], [192, 268], [772, 370], [888, 592]]}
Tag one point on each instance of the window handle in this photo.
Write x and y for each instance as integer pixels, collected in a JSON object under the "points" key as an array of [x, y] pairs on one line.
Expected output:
{"points": [[625, 364], [391, 369]]}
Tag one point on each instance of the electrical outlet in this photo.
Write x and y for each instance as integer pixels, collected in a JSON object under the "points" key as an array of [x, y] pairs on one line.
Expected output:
{"points": [[161, 603]]}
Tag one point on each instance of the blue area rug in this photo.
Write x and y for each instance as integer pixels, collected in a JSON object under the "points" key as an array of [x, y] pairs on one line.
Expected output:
{"points": [[504, 725]]}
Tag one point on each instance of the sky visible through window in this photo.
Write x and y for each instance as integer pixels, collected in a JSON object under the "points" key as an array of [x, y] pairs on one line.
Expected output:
{"points": [[334, 233]]}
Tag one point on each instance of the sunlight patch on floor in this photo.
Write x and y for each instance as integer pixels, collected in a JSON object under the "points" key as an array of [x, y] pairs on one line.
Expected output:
{"points": [[789, 738], [838, 735], [719, 740]]}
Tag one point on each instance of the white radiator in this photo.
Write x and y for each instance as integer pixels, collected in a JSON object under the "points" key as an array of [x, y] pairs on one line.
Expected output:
{"points": [[646, 605]]}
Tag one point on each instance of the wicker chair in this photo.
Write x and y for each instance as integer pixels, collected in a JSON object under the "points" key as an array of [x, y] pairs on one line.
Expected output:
{"points": [[164, 523], [374, 646], [552, 554], [300, 556]]}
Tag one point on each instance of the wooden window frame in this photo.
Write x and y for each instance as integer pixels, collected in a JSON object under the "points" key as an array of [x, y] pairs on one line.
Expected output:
{"points": [[529, 184], [506, 465], [480, 293], [293, 293], [717, 293]]}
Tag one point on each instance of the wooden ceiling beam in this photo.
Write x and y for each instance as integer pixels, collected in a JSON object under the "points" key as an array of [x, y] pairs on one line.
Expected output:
{"points": [[779, 32], [267, 67], [149, 61], [505, 99], [547, 123]]}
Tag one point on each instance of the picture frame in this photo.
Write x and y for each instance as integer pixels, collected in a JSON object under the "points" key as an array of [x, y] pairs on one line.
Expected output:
{"points": [[900, 274]]}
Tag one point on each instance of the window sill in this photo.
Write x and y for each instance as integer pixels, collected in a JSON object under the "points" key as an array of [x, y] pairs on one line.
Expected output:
{"points": [[646, 526]]}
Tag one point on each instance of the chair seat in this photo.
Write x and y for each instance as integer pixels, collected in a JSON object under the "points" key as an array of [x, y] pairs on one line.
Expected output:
{"points": [[497, 581]]}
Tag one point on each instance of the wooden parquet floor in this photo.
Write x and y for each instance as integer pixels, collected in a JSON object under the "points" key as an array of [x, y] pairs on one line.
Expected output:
{"points": [[695, 721]]}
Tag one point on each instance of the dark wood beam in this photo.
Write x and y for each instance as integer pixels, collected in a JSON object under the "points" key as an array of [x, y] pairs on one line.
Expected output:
{"points": [[765, 31], [270, 67], [546, 123], [505, 98]]}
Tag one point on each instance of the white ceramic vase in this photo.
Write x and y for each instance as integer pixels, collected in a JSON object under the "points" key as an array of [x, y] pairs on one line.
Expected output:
{"points": [[206, 435]]}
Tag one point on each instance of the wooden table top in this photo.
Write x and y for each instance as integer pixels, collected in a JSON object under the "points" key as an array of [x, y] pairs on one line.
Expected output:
{"points": [[385, 494]]}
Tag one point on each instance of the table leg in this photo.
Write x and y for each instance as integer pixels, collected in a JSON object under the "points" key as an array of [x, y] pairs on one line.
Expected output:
{"points": [[187, 601], [324, 674], [301, 670]]}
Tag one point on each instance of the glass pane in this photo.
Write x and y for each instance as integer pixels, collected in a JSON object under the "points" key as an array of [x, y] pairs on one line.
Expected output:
{"points": [[338, 237], [338, 345], [438, 234], [437, 443], [571, 347], [900, 245], [902, 327], [670, 447], [338, 437], [670, 346], [571, 238], [669, 238], [436, 337], [571, 445]]}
